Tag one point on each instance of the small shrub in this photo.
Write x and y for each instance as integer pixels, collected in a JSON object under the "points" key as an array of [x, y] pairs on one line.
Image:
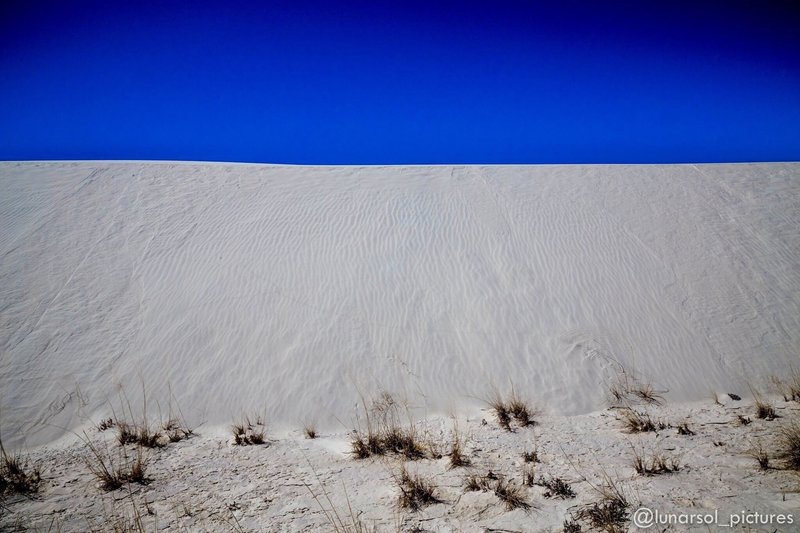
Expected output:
{"points": [[556, 488], [415, 492], [512, 495], [310, 431]]}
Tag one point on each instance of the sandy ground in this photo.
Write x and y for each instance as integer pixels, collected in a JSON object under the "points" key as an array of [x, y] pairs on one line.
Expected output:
{"points": [[206, 483], [214, 290]]}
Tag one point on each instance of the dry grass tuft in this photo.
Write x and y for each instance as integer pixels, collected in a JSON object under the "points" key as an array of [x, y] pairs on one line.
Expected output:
{"points": [[684, 429], [17, 474], [310, 431], [108, 423], [641, 422], [249, 432], [764, 408], [512, 495], [531, 456], [758, 453], [627, 386], [384, 435], [789, 441], [515, 408], [457, 455], [572, 526], [476, 483], [656, 464], [113, 473], [415, 492], [742, 420], [556, 488]]}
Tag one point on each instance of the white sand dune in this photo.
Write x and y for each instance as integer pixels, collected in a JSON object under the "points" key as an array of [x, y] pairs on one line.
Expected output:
{"points": [[243, 287]]}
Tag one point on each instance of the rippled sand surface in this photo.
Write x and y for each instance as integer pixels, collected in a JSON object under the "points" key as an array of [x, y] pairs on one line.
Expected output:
{"points": [[289, 289]]}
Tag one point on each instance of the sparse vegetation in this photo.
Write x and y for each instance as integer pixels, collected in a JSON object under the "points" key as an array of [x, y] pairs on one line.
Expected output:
{"points": [[641, 422], [531, 456], [764, 408], [105, 424], [515, 408], [627, 387], [248, 432], [415, 491], [512, 495], [310, 431], [571, 526], [457, 456], [556, 488], [656, 464], [528, 475], [384, 435], [758, 453], [684, 429], [790, 390], [789, 442], [476, 483], [17, 475], [742, 420], [113, 473]]}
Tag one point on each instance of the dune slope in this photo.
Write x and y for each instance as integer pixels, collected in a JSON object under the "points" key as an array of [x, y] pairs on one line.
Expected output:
{"points": [[286, 288]]}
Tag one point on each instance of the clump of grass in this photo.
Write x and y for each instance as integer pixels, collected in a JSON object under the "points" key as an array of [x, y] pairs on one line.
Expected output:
{"points": [[627, 387], [501, 412], [310, 431], [764, 408], [742, 420], [105, 424], [457, 456], [176, 430], [528, 475], [511, 495], [475, 483], [515, 407], [684, 429], [656, 464], [249, 432], [114, 473], [556, 488], [791, 389], [384, 435], [415, 492], [571, 526], [17, 474], [641, 422], [758, 453], [531, 456], [610, 512], [789, 441]]}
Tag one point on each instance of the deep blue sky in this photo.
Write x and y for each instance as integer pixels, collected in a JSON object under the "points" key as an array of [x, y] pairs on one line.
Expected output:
{"points": [[326, 82]]}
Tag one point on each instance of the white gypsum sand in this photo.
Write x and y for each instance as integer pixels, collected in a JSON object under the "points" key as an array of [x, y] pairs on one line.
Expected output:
{"points": [[287, 290]]}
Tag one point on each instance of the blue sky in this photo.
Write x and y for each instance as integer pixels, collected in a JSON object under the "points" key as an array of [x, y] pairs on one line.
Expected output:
{"points": [[401, 82]]}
